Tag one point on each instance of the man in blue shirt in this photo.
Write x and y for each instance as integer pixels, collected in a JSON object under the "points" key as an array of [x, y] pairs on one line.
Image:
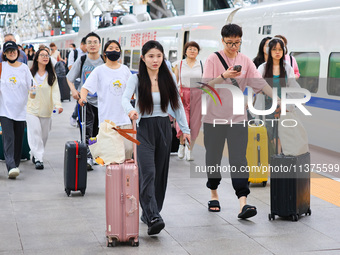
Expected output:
{"points": [[22, 58]]}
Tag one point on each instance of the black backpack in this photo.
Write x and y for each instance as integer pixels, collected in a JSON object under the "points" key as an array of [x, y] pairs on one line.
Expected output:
{"points": [[60, 69], [75, 56]]}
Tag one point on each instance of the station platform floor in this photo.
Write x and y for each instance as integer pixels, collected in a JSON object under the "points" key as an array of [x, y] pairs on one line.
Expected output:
{"points": [[37, 217]]}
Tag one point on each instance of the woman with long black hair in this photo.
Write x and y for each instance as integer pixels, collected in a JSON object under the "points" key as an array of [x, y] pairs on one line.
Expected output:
{"points": [[156, 97], [40, 107], [278, 74], [262, 55]]}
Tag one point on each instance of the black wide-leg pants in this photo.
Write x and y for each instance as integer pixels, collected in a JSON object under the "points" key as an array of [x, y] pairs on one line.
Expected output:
{"points": [[153, 155]]}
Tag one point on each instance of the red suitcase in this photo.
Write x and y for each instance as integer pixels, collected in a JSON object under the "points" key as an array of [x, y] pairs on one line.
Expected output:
{"points": [[122, 202]]}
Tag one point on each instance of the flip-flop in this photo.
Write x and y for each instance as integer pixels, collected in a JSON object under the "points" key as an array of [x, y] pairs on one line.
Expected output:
{"points": [[247, 212], [214, 204]]}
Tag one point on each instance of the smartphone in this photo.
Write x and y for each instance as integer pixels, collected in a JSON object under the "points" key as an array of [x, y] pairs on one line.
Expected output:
{"points": [[237, 68]]}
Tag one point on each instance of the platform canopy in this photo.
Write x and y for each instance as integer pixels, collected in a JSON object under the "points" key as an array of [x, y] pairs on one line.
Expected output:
{"points": [[36, 18]]}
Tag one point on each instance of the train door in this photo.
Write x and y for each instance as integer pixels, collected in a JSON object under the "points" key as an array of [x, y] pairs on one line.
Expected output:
{"points": [[186, 38]]}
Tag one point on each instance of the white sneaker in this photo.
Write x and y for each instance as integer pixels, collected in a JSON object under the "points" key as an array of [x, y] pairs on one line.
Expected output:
{"points": [[181, 151], [73, 122], [89, 164], [13, 173], [188, 156]]}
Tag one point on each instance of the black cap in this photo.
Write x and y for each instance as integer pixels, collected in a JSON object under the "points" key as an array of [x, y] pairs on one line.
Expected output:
{"points": [[10, 45]]}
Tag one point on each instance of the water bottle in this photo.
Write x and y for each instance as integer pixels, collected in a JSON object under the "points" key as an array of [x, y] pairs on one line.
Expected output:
{"points": [[32, 90]]}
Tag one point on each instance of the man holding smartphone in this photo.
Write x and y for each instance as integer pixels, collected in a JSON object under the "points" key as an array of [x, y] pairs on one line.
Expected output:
{"points": [[229, 66]]}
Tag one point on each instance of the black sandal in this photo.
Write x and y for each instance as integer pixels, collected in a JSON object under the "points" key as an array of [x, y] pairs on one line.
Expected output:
{"points": [[247, 212], [214, 204]]}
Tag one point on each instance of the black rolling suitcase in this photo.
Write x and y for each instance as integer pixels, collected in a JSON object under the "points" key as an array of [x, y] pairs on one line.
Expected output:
{"points": [[75, 162], [289, 185], [62, 82], [64, 88]]}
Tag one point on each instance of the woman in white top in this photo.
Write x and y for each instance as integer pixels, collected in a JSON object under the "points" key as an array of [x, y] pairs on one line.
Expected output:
{"points": [[16, 80], [55, 53], [186, 70], [278, 74], [41, 106], [109, 82]]}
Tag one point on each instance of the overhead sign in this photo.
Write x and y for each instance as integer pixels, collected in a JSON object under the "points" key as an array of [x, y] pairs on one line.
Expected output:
{"points": [[8, 8]]}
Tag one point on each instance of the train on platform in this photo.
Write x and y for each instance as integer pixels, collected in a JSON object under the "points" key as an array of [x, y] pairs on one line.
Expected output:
{"points": [[309, 25]]}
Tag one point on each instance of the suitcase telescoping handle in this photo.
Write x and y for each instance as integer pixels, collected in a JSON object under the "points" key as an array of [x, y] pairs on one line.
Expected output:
{"points": [[83, 122], [134, 126], [276, 128]]}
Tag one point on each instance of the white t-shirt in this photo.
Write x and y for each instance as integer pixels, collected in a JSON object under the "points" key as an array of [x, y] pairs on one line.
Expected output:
{"points": [[109, 85], [14, 87], [40, 79], [71, 56], [187, 73]]}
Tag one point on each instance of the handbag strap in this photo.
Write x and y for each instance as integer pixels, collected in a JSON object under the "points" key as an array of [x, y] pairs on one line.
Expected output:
{"points": [[180, 78], [125, 132]]}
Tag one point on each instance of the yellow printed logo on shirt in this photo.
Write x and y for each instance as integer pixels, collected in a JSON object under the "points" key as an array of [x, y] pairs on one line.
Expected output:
{"points": [[116, 88], [13, 80]]}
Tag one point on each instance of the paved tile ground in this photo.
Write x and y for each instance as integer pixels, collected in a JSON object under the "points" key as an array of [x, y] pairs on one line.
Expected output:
{"points": [[36, 216]]}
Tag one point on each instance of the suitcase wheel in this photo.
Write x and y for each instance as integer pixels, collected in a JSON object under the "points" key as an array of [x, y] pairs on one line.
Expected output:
{"points": [[271, 216], [82, 191], [264, 184], [134, 242], [68, 192], [111, 242], [309, 212], [295, 217]]}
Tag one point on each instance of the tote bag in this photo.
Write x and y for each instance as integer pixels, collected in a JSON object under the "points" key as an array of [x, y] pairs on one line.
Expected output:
{"points": [[294, 140]]}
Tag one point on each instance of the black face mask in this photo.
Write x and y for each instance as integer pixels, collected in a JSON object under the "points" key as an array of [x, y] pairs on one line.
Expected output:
{"points": [[113, 55], [11, 61]]}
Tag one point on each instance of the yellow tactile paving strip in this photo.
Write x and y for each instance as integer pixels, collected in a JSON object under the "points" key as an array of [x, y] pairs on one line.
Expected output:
{"points": [[325, 188], [321, 187]]}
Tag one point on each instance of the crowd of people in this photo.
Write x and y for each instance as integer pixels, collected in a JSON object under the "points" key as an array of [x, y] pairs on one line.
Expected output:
{"points": [[107, 86]]}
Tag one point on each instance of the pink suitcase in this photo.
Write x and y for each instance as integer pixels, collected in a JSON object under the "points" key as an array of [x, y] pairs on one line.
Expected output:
{"points": [[122, 203]]}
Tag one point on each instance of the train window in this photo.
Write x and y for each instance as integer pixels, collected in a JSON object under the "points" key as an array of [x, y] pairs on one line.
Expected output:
{"points": [[309, 68], [267, 30], [333, 81], [135, 59], [127, 57], [172, 56]]}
